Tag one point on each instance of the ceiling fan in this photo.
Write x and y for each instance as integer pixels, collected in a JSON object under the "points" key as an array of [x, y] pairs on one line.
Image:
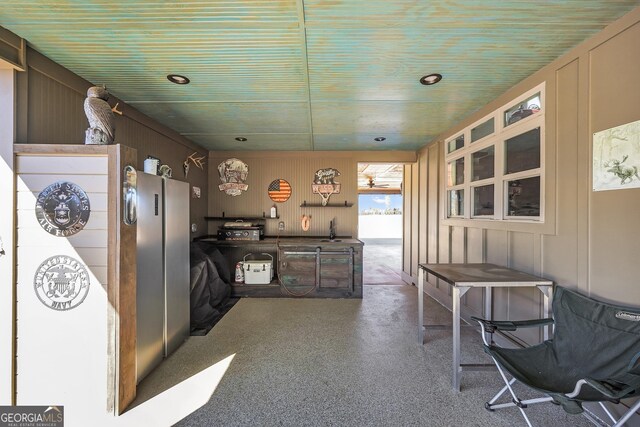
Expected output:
{"points": [[372, 184]]}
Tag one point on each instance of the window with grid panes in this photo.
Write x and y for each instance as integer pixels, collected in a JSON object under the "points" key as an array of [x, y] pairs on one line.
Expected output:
{"points": [[494, 168]]}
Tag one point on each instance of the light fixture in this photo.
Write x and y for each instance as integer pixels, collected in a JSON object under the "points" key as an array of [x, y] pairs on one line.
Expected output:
{"points": [[379, 138], [241, 139], [178, 79], [431, 79]]}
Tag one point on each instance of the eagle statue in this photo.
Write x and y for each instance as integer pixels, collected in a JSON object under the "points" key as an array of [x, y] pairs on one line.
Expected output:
{"points": [[102, 127]]}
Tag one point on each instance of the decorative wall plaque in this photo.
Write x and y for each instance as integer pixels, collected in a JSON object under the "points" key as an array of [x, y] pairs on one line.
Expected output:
{"points": [[325, 184], [616, 157], [279, 190], [233, 173], [62, 209], [61, 282]]}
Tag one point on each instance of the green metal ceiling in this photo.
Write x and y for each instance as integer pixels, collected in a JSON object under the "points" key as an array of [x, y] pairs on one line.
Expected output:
{"points": [[307, 74]]}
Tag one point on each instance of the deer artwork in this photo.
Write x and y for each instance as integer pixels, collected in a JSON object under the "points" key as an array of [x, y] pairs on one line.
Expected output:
{"points": [[625, 173], [198, 161]]}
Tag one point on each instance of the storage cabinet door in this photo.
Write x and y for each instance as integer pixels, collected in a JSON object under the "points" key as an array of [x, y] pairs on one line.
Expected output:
{"points": [[336, 271], [298, 269], [302, 268]]}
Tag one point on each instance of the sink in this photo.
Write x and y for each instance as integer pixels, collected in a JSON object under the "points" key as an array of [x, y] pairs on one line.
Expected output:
{"points": [[334, 240]]}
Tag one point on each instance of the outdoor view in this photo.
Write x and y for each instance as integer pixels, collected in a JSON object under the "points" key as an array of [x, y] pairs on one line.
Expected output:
{"points": [[380, 216], [380, 228], [380, 204]]}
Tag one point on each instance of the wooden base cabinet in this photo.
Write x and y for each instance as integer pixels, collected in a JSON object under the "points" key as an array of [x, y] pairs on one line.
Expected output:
{"points": [[303, 267]]}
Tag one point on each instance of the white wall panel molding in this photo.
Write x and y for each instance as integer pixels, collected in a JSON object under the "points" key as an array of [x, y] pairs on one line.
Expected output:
{"points": [[7, 244]]}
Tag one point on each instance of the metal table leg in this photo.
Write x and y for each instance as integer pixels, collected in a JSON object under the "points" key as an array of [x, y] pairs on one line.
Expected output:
{"points": [[488, 309], [547, 296], [420, 306], [457, 293]]}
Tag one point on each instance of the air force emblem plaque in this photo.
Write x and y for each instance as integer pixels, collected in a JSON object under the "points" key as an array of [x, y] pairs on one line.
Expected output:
{"points": [[61, 282], [62, 209]]}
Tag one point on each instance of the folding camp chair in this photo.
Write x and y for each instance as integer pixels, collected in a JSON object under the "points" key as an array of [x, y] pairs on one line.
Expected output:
{"points": [[593, 357]]}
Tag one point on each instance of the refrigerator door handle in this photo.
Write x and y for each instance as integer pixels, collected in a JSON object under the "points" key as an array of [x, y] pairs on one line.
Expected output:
{"points": [[130, 196]]}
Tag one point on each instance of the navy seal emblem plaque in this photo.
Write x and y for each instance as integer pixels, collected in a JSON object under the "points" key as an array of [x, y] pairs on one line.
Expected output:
{"points": [[62, 209], [61, 282]]}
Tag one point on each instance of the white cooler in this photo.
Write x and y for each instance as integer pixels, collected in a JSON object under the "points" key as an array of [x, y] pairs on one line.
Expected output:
{"points": [[258, 271]]}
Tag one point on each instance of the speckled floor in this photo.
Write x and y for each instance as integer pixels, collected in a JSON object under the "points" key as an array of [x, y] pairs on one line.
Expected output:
{"points": [[303, 362]]}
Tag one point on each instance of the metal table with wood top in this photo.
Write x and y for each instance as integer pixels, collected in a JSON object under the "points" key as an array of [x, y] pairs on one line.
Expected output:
{"points": [[463, 277]]}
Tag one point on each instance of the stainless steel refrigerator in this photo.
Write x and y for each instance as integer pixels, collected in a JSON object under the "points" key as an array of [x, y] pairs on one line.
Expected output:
{"points": [[176, 264], [162, 299]]}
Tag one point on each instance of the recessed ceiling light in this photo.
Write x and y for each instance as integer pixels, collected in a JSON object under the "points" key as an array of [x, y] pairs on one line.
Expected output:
{"points": [[241, 139], [379, 138], [178, 79], [431, 79]]}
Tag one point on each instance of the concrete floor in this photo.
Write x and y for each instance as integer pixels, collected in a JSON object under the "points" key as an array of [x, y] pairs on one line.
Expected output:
{"points": [[382, 262], [340, 362]]}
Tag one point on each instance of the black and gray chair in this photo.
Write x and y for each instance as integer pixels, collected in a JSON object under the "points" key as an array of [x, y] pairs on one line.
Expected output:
{"points": [[594, 356]]}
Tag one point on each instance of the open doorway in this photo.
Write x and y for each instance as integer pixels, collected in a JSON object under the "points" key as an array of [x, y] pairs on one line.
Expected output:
{"points": [[380, 222]]}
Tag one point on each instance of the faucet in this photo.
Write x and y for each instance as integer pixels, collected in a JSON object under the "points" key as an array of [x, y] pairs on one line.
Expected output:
{"points": [[332, 232]]}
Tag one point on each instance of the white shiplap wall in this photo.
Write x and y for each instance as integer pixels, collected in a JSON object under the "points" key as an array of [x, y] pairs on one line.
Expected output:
{"points": [[62, 355]]}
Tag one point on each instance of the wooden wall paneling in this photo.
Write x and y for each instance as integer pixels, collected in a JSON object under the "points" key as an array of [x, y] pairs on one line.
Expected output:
{"points": [[416, 230], [458, 250], [458, 244], [80, 330], [497, 252], [121, 313], [475, 245], [523, 303], [583, 172], [22, 106], [475, 241], [497, 247], [91, 183], [64, 165], [56, 113], [98, 200], [433, 201], [7, 234], [407, 197], [88, 238], [434, 210], [444, 253], [560, 251], [423, 209], [613, 215], [521, 251]]}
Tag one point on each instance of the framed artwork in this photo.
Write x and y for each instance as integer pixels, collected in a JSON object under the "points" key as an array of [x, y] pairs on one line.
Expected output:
{"points": [[616, 157]]}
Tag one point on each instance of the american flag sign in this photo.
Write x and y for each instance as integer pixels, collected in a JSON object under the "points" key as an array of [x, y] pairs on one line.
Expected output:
{"points": [[279, 190]]}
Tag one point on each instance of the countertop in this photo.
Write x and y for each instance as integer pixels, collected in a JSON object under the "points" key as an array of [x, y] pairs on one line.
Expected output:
{"points": [[288, 241]]}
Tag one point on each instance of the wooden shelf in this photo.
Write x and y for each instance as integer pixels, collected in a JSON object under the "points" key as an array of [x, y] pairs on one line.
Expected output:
{"points": [[328, 205]]}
